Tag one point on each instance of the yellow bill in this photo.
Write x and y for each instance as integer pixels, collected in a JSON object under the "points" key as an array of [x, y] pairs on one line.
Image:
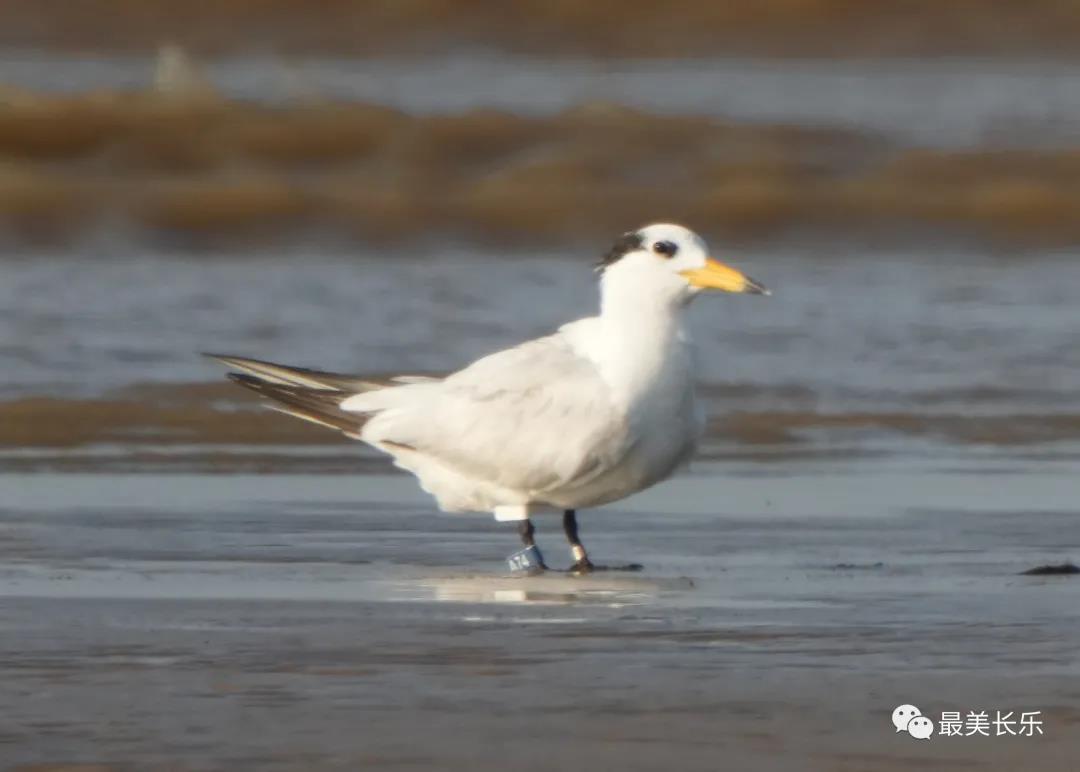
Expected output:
{"points": [[715, 275]]}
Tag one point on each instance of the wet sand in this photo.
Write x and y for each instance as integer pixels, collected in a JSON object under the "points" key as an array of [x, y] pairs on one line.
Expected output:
{"points": [[328, 622], [828, 28], [230, 172], [514, 151], [217, 428]]}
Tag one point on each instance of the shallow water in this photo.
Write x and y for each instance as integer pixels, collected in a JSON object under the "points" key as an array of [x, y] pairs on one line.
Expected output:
{"points": [[938, 332], [149, 620]]}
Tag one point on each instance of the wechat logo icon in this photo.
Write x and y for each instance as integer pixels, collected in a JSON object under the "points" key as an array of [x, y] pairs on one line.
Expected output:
{"points": [[908, 718]]}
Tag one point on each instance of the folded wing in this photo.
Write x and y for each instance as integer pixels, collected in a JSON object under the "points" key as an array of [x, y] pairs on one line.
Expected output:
{"points": [[533, 418]]}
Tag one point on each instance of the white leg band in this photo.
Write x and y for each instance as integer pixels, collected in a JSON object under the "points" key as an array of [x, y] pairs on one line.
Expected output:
{"points": [[510, 512]]}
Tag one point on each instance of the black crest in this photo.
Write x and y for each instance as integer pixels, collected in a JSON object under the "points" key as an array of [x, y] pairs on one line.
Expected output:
{"points": [[628, 242]]}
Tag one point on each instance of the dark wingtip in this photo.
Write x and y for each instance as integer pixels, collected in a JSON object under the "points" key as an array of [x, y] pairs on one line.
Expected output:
{"points": [[245, 380]]}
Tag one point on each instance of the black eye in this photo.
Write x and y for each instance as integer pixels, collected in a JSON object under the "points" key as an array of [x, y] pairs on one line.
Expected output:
{"points": [[665, 248]]}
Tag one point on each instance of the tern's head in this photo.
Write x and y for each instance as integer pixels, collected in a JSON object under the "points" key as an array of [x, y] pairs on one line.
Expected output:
{"points": [[670, 262]]}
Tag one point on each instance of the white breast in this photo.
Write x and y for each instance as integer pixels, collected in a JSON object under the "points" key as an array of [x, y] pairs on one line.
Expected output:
{"points": [[652, 380]]}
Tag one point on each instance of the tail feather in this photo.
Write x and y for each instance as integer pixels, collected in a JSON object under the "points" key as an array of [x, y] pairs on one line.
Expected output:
{"points": [[317, 405], [313, 395], [271, 372]]}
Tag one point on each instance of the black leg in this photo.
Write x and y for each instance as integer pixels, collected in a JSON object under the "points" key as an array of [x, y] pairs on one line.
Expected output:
{"points": [[582, 564], [526, 529]]}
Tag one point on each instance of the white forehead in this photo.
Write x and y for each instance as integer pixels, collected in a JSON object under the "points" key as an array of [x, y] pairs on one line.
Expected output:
{"points": [[677, 234]]}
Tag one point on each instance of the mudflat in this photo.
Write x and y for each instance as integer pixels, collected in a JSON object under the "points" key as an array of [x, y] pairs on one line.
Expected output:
{"points": [[294, 622]]}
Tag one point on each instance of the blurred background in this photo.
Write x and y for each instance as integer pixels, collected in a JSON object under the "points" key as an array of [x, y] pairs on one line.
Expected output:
{"points": [[402, 186]]}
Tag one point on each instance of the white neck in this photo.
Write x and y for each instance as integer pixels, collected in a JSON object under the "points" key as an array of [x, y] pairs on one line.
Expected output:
{"points": [[642, 329]]}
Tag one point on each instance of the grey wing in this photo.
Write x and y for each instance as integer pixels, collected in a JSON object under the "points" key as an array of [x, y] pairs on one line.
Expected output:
{"points": [[534, 418]]}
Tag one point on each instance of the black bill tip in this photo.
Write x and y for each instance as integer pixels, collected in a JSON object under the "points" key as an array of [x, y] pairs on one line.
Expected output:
{"points": [[756, 288]]}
